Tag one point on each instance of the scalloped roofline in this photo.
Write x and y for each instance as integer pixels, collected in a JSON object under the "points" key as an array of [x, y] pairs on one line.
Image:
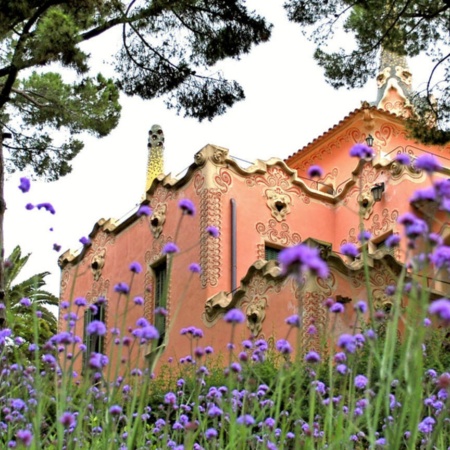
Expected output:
{"points": [[217, 156], [363, 109]]}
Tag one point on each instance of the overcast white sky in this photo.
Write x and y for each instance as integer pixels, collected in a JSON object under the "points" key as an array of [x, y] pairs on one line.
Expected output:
{"points": [[287, 105]]}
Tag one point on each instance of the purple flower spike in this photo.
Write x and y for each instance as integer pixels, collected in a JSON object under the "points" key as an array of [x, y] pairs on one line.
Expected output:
{"points": [[121, 288], [47, 206], [283, 347], [337, 308], [234, 316], [315, 171], [144, 210], [393, 240], [312, 357], [96, 327], [428, 163], [195, 268], [213, 231], [361, 306], [25, 437], [85, 240], [24, 185], [135, 267], [403, 159], [25, 302], [169, 248], [293, 321], [68, 420], [441, 308], [115, 410], [187, 206], [301, 258], [360, 381], [246, 420], [349, 249], [362, 151]]}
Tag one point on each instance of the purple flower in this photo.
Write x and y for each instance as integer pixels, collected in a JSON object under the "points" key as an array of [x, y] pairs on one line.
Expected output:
{"points": [[441, 308], [170, 248], [341, 369], [426, 194], [135, 267], [97, 360], [26, 302], [47, 206], [115, 410], [361, 306], [25, 437], [234, 316], [428, 163], [403, 159], [170, 398], [301, 258], [293, 321], [144, 210], [68, 420], [416, 229], [211, 433], [138, 301], [426, 426], [121, 288], [441, 257], [283, 347], [392, 241], [96, 327], [337, 308], [24, 185], [315, 171], [236, 367], [85, 240], [80, 301], [362, 151], [29, 206], [312, 357], [360, 381], [349, 249], [56, 247], [212, 231], [195, 268], [246, 420], [187, 206], [364, 236], [347, 342]]}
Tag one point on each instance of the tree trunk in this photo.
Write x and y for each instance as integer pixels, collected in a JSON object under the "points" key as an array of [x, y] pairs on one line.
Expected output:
{"points": [[2, 247]]}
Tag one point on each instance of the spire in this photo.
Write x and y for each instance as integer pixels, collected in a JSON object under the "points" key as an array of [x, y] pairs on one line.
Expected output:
{"points": [[394, 82], [155, 164]]}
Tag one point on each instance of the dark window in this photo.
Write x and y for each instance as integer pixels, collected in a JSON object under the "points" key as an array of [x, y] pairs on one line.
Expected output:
{"points": [[160, 293], [271, 253], [93, 342]]}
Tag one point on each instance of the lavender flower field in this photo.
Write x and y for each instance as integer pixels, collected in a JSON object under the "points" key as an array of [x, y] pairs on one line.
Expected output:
{"points": [[372, 389]]}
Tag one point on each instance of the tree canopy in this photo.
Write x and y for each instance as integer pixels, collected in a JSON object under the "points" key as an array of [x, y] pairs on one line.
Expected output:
{"points": [[405, 27], [168, 49]]}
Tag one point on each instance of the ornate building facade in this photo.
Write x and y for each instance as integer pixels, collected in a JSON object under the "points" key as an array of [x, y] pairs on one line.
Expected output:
{"points": [[258, 210]]}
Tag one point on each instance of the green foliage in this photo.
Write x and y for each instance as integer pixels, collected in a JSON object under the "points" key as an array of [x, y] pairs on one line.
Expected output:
{"points": [[20, 317], [405, 27]]}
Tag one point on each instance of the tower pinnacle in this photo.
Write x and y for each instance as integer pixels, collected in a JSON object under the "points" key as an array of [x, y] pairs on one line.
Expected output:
{"points": [[394, 82], [155, 164]]}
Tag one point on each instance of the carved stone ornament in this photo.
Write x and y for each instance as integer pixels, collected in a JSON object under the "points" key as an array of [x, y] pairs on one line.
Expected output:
{"points": [[366, 201], [278, 203], [404, 75], [97, 264], [256, 313], [214, 154], [383, 77], [216, 306], [158, 219]]}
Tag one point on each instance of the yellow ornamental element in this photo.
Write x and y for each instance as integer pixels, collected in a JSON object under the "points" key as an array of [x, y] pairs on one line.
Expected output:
{"points": [[155, 164]]}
